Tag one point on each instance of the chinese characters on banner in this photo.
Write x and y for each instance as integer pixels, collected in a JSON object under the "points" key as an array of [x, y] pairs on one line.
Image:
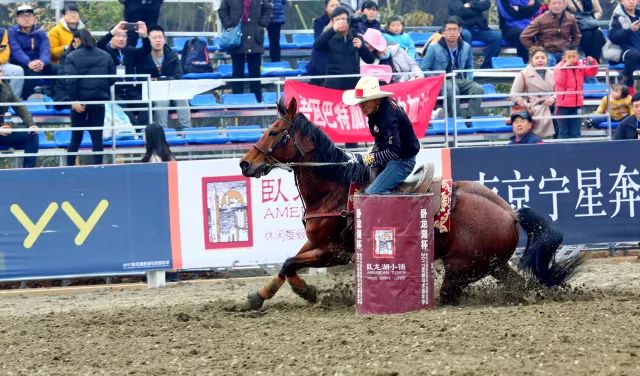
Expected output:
{"points": [[393, 254], [324, 107], [589, 199], [280, 203]]}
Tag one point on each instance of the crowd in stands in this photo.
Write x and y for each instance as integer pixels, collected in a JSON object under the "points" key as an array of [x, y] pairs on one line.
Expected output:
{"points": [[559, 40]]}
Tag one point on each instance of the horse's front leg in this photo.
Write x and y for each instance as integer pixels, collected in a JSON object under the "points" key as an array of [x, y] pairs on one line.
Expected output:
{"points": [[308, 256]]}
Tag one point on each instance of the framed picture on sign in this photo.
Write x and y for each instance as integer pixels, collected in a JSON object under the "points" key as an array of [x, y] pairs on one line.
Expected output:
{"points": [[384, 242], [226, 202]]}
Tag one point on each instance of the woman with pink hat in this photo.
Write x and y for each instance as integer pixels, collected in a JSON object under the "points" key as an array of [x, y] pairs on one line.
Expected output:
{"points": [[396, 144], [393, 56]]}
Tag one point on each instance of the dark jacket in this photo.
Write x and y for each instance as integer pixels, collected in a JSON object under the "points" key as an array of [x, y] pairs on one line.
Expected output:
{"points": [[472, 16], [627, 129], [393, 133], [510, 18], [26, 47], [171, 68], [318, 61], [130, 58], [278, 11], [230, 14], [60, 85], [89, 61], [138, 5], [528, 138], [7, 96], [366, 24], [342, 58], [620, 32]]}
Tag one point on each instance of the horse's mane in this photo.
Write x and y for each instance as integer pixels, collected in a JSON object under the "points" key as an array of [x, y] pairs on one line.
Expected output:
{"points": [[327, 152]]}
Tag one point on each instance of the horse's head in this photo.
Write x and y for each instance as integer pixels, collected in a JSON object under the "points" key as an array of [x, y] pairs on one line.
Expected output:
{"points": [[275, 146]]}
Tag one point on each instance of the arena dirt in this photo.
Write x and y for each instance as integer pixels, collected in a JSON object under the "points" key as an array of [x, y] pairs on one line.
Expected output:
{"points": [[195, 329]]}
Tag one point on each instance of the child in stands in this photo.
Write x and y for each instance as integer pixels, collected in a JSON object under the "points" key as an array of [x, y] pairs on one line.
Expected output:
{"points": [[394, 33], [569, 83], [619, 106]]}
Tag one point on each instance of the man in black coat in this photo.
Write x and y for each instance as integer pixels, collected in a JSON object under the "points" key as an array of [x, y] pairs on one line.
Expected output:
{"points": [[628, 128], [126, 59], [163, 64], [147, 11]]}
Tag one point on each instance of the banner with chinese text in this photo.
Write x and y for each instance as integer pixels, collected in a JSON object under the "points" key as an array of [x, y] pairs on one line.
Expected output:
{"points": [[590, 191], [324, 107]]}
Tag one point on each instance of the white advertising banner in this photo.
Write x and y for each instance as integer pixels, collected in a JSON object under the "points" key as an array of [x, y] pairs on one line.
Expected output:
{"points": [[229, 220]]}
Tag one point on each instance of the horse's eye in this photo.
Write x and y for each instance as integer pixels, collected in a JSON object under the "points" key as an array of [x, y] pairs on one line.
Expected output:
{"points": [[273, 133]]}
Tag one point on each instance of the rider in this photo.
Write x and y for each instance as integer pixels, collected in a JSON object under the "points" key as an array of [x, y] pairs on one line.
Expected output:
{"points": [[396, 144]]}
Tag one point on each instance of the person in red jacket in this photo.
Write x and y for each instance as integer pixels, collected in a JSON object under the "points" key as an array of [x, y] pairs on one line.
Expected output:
{"points": [[569, 81]]}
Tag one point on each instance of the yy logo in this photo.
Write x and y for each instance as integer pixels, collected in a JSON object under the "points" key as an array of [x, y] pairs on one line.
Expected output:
{"points": [[35, 229]]}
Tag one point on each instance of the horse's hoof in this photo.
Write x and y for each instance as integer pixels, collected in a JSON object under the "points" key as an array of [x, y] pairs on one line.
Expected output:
{"points": [[254, 301], [308, 293]]}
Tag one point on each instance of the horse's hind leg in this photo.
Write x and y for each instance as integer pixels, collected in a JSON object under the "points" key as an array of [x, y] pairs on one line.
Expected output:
{"points": [[452, 286], [508, 277]]}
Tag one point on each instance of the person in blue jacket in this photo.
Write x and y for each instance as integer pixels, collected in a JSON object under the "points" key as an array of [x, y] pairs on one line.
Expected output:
{"points": [[628, 128], [277, 20], [522, 122], [30, 48]]}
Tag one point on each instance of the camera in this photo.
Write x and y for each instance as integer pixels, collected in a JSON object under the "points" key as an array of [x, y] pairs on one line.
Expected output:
{"points": [[132, 26], [354, 23]]}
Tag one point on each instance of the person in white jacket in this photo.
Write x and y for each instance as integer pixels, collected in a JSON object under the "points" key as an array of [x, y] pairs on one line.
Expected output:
{"points": [[392, 55]]}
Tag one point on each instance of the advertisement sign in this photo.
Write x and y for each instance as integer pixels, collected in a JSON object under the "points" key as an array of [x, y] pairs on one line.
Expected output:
{"points": [[324, 107], [84, 220], [590, 191]]}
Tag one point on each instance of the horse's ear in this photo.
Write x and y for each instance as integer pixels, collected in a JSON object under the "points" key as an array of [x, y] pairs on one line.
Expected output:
{"points": [[292, 109]]}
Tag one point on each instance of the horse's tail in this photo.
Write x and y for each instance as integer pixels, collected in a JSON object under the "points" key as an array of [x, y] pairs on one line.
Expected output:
{"points": [[542, 242]]}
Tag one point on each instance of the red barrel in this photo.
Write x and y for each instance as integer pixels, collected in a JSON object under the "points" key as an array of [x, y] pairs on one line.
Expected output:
{"points": [[393, 253]]}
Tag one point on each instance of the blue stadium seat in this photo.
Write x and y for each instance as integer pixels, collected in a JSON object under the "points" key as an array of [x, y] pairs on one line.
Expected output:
{"points": [[172, 137], [239, 99], [616, 65], [215, 45], [203, 100], [605, 125], [226, 70], [437, 127], [44, 142], [489, 89], [284, 43], [63, 138], [270, 97], [303, 40], [64, 111], [179, 42], [597, 90], [245, 133], [124, 142], [491, 124], [39, 109], [278, 69], [477, 43], [201, 76], [419, 39], [206, 135], [503, 62], [302, 65]]}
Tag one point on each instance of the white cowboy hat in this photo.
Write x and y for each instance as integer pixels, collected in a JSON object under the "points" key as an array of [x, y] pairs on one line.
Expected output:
{"points": [[368, 88]]}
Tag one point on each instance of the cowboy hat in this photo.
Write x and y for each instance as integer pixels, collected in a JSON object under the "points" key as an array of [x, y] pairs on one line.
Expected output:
{"points": [[368, 88]]}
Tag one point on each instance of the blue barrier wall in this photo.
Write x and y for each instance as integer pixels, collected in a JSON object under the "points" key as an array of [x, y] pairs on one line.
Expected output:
{"points": [[589, 190], [69, 221]]}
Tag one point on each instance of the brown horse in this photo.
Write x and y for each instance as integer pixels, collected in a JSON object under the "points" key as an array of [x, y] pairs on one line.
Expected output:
{"points": [[484, 228]]}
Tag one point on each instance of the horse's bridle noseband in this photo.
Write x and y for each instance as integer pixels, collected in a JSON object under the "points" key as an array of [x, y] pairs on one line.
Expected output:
{"points": [[284, 138]]}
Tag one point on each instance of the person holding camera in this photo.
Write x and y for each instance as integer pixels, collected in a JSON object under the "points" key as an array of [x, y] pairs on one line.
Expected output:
{"points": [[344, 50]]}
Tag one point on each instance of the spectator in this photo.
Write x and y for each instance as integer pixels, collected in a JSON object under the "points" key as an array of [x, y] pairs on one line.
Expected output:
{"points": [[126, 58], [9, 69], [536, 79], [569, 77], [60, 36], [156, 147], [394, 33], [27, 140], [392, 55], [277, 20], [255, 16], [628, 128], [625, 39], [554, 30], [344, 50], [452, 53], [318, 62], [369, 18], [514, 16], [147, 11], [163, 64], [592, 37], [476, 27], [617, 104], [522, 123], [87, 59], [29, 48]]}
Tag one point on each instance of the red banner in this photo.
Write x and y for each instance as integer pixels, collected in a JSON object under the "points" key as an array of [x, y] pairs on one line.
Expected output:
{"points": [[324, 107]]}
